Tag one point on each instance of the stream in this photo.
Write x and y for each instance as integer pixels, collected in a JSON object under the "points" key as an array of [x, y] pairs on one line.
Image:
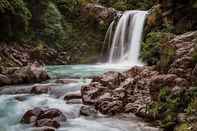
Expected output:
{"points": [[15, 101]]}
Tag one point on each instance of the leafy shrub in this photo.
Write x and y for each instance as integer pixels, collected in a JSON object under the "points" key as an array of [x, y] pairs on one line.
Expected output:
{"points": [[151, 48], [15, 19]]}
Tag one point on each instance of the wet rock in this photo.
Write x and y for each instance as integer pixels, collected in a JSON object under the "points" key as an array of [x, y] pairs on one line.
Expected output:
{"points": [[65, 81], [74, 101], [41, 89], [53, 114], [31, 115], [73, 95], [48, 123], [23, 97], [38, 117], [88, 111], [44, 129]]}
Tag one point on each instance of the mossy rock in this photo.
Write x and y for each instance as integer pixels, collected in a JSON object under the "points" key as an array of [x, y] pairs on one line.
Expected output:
{"points": [[183, 127]]}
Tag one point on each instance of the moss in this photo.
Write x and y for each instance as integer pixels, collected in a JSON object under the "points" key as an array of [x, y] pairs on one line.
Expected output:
{"points": [[120, 5], [151, 48], [166, 58], [183, 127], [170, 104], [192, 107]]}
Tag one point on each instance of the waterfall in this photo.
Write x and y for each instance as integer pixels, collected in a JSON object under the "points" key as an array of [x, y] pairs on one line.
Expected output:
{"points": [[125, 45]]}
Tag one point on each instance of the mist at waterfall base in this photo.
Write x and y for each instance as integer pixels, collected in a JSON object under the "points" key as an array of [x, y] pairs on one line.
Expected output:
{"points": [[124, 51]]}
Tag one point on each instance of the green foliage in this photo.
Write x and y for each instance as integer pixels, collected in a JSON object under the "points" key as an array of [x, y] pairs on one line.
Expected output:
{"points": [[5, 5], [15, 19], [192, 108], [170, 104], [128, 4], [53, 32], [151, 48], [183, 127], [69, 8]]}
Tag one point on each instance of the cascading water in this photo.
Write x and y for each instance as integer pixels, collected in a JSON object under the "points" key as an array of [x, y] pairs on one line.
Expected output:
{"points": [[126, 41]]}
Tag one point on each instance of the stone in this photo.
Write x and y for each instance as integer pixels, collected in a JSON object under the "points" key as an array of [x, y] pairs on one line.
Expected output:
{"points": [[44, 129], [31, 115], [73, 95], [41, 89], [65, 81], [38, 117], [100, 13], [88, 111], [110, 107], [53, 114], [4, 80], [48, 123]]}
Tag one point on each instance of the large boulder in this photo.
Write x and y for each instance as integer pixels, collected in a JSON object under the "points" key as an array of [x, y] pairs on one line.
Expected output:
{"points": [[72, 95], [28, 74], [44, 117], [4, 80], [31, 115], [100, 13], [41, 89], [88, 111]]}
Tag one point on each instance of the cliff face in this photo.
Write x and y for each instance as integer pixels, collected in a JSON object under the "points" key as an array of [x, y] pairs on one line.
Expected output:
{"points": [[178, 13]]}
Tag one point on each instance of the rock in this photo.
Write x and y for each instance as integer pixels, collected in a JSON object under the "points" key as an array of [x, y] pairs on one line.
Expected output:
{"points": [[74, 101], [88, 111], [159, 81], [27, 74], [110, 107], [181, 117], [30, 73], [53, 114], [31, 115], [4, 80], [41, 118], [48, 123], [100, 13], [44, 129], [41, 89], [92, 92], [65, 81], [73, 95], [110, 79]]}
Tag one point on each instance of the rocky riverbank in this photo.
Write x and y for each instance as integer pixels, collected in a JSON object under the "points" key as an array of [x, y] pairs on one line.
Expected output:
{"points": [[136, 89], [22, 75]]}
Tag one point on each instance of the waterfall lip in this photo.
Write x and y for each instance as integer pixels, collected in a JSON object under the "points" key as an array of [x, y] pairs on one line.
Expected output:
{"points": [[126, 40]]}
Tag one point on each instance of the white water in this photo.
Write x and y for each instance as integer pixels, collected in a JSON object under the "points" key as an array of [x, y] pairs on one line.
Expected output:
{"points": [[13, 105], [127, 37], [125, 49]]}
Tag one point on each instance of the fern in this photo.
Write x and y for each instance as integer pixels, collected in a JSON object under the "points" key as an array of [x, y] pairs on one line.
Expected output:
{"points": [[5, 5]]}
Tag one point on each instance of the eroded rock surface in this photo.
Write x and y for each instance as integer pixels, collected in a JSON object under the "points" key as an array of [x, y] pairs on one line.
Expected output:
{"points": [[29, 74], [39, 117], [132, 90]]}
